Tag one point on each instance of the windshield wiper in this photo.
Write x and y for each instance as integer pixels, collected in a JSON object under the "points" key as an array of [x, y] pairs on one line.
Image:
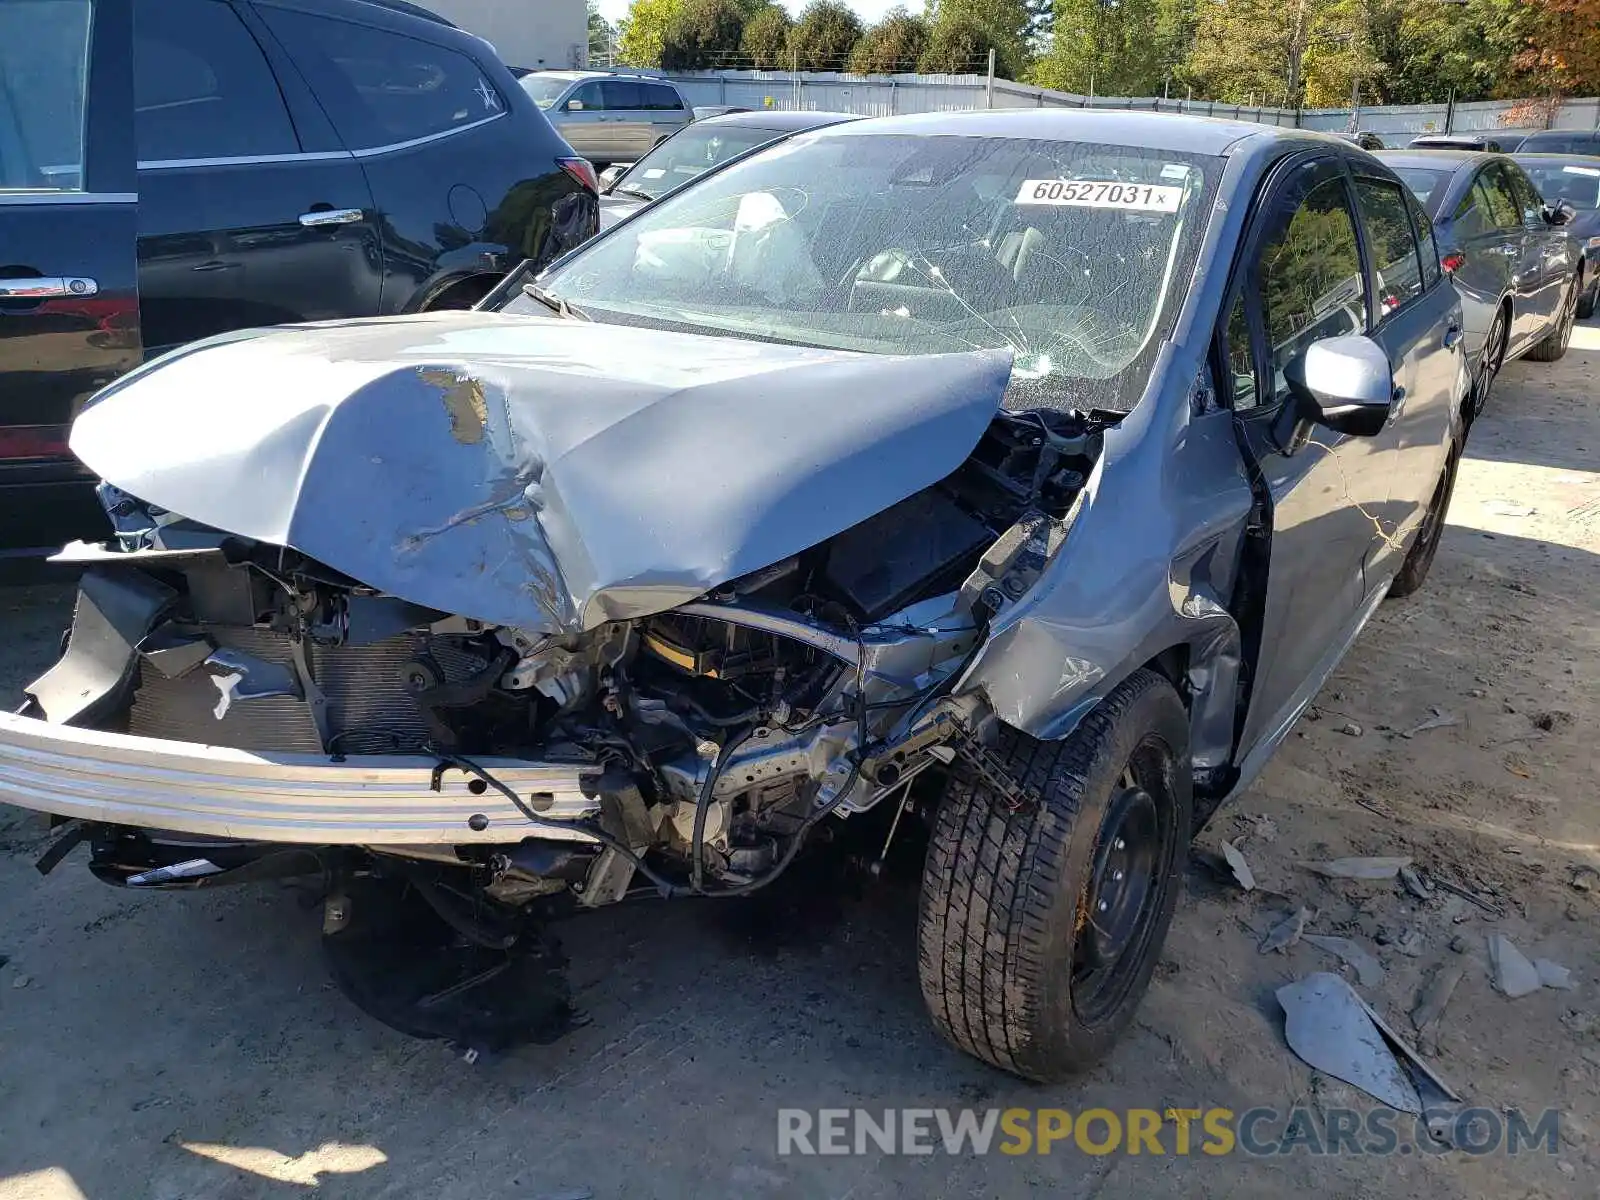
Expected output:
{"points": [[556, 304], [635, 192]]}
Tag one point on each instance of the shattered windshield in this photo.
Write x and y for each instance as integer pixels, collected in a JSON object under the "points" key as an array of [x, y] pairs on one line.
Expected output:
{"points": [[1075, 256]]}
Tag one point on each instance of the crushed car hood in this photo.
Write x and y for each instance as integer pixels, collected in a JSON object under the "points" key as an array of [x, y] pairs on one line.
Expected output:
{"points": [[547, 474]]}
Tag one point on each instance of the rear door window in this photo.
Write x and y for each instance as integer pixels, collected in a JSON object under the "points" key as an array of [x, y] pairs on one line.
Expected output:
{"points": [[622, 94], [44, 67], [661, 98], [1396, 262], [381, 88], [202, 86], [1527, 195]]}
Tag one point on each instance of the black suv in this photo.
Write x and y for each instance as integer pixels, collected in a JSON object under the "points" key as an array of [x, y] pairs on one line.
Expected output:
{"points": [[175, 169]]}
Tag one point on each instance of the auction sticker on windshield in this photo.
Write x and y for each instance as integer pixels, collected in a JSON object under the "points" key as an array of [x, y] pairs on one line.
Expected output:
{"points": [[1083, 193]]}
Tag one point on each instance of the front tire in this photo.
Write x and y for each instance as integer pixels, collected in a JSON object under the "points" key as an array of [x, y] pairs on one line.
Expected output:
{"points": [[1039, 929], [1419, 559], [1586, 301]]}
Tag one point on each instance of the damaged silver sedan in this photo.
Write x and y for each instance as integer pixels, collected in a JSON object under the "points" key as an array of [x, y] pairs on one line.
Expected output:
{"points": [[1012, 477]]}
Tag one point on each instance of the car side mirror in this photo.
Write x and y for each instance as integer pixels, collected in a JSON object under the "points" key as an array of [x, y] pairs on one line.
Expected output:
{"points": [[609, 177], [1344, 383], [573, 106]]}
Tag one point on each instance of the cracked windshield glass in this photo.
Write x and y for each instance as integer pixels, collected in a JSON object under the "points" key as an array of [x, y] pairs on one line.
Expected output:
{"points": [[1073, 256]]}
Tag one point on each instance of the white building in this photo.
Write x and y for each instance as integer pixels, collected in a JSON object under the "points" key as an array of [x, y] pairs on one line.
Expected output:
{"points": [[537, 34]]}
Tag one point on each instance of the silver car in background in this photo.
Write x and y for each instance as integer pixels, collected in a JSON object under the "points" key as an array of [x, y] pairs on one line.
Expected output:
{"points": [[1518, 269], [609, 117]]}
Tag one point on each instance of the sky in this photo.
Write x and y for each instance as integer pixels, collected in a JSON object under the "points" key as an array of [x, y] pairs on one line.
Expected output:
{"points": [[869, 10]]}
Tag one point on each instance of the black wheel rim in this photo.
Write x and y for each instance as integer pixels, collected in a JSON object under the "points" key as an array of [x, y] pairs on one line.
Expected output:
{"points": [[1129, 878], [1569, 315], [1490, 366]]}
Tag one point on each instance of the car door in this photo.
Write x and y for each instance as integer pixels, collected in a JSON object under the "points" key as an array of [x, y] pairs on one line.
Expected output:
{"points": [[581, 119], [69, 300], [1522, 253], [1550, 256], [247, 217], [629, 132], [1301, 279], [1419, 325]]}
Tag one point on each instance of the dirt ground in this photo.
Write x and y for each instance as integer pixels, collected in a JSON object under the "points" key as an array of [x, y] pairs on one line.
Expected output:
{"points": [[191, 1046]]}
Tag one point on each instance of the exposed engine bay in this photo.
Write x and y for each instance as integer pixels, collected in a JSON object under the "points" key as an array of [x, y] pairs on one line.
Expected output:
{"points": [[710, 739]]}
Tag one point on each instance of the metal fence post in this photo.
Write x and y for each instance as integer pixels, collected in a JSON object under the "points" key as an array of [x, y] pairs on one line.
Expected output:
{"points": [[989, 86]]}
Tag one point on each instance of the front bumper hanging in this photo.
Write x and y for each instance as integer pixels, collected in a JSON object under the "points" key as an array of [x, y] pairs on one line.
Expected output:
{"points": [[309, 799]]}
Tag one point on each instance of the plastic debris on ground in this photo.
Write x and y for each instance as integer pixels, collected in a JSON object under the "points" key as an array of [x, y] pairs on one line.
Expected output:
{"points": [[1435, 994], [1514, 975], [1366, 965], [1287, 932], [1241, 869], [1553, 974], [1358, 868], [1439, 720]]}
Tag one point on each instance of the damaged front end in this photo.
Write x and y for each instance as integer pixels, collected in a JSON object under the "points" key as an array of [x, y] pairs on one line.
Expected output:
{"points": [[230, 707]]}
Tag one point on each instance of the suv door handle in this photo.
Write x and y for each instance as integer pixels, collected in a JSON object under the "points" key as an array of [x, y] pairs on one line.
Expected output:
{"points": [[1452, 336], [331, 216], [46, 286]]}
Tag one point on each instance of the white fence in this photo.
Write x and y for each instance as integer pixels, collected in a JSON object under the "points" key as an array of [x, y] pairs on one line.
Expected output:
{"points": [[887, 95]]}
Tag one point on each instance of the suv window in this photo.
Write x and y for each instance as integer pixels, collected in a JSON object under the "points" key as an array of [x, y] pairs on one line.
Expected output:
{"points": [[659, 96], [1431, 270], [1396, 264], [202, 87], [588, 96], [381, 88], [1311, 279], [44, 61], [1497, 200], [622, 93]]}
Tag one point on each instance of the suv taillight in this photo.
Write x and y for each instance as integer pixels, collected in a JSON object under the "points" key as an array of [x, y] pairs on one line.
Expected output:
{"points": [[582, 170], [21, 442], [1453, 262]]}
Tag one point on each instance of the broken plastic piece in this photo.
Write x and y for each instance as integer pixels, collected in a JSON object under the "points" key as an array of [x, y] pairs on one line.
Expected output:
{"points": [[1553, 975], [1439, 720], [1436, 994], [1287, 932], [1513, 973], [1329, 1026], [1415, 884], [1358, 868], [1241, 869], [1367, 968]]}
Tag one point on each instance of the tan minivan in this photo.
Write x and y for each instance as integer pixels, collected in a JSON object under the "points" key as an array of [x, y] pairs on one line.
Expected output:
{"points": [[609, 117]]}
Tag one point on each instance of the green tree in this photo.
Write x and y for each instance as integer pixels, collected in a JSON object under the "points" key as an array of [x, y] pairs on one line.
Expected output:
{"points": [[894, 44], [1109, 45], [703, 35], [766, 39], [957, 47], [642, 32], [1004, 25], [824, 36], [601, 35]]}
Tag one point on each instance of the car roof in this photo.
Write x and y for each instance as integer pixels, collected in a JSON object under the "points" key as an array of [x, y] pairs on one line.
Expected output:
{"points": [[1144, 130], [1438, 160], [411, 10], [576, 76], [788, 120]]}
